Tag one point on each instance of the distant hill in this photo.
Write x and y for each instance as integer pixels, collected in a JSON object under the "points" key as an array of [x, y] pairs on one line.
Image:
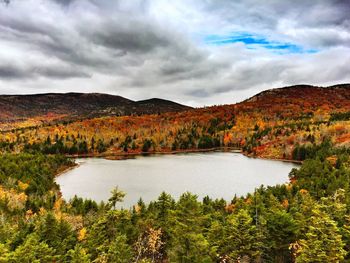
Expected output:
{"points": [[273, 124], [51, 106], [314, 94], [17, 111], [293, 100]]}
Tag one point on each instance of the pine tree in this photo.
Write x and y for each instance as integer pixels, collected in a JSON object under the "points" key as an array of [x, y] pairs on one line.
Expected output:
{"points": [[48, 229], [117, 196], [4, 253], [282, 230], [188, 243], [322, 241], [119, 251], [164, 204], [242, 238], [32, 250], [78, 255]]}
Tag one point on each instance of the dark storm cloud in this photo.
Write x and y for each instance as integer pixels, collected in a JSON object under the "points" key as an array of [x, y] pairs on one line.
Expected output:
{"points": [[13, 72], [153, 48], [10, 72], [100, 44], [60, 73], [199, 93], [129, 37], [325, 13], [64, 2], [46, 38]]}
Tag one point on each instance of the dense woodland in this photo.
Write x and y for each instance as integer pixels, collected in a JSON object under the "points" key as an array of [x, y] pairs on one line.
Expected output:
{"points": [[305, 220], [273, 124]]}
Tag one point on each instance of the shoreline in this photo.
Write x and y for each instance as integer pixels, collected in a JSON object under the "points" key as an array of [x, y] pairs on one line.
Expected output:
{"points": [[67, 169], [127, 155], [124, 156], [274, 159]]}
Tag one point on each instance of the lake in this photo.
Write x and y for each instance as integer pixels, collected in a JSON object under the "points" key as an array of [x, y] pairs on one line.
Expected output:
{"points": [[217, 174]]}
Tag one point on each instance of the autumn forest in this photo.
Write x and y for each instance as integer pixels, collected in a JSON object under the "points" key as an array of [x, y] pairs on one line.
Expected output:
{"points": [[304, 220]]}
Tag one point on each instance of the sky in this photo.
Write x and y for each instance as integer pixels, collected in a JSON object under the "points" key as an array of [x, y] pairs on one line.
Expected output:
{"points": [[196, 52]]}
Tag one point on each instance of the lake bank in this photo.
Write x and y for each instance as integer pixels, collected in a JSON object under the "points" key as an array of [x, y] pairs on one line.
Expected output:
{"points": [[217, 174], [138, 153], [66, 169], [129, 155]]}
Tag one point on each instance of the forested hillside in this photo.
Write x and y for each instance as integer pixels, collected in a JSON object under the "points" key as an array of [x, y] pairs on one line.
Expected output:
{"points": [[31, 110], [276, 124], [304, 220]]}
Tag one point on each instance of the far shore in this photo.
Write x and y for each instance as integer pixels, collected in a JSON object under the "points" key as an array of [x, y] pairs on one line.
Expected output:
{"points": [[127, 155], [130, 155]]}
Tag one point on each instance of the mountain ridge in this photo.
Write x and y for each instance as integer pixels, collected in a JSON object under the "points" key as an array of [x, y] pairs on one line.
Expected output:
{"points": [[302, 88], [75, 105], [19, 111], [270, 125]]}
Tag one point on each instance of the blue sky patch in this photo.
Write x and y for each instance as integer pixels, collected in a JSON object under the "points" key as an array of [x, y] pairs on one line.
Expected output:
{"points": [[255, 41]]}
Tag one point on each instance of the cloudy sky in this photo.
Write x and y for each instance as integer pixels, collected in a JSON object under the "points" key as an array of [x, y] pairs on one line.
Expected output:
{"points": [[197, 52]]}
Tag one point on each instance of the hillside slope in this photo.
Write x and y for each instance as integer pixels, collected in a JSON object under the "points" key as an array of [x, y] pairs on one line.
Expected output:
{"points": [[69, 106], [273, 124], [291, 101]]}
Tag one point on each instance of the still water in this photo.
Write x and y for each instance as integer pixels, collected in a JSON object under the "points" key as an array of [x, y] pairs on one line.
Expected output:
{"points": [[219, 175]]}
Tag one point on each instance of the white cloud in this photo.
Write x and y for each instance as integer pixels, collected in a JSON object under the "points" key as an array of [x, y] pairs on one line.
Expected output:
{"points": [[141, 49]]}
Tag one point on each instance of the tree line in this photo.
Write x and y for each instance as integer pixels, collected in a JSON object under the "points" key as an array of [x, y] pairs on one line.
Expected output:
{"points": [[306, 220]]}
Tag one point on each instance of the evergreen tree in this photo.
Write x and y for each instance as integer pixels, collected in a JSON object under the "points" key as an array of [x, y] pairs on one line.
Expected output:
{"points": [[164, 204], [117, 196], [32, 250], [242, 239], [281, 232], [188, 244], [48, 229], [322, 241], [78, 255], [4, 253], [119, 251]]}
